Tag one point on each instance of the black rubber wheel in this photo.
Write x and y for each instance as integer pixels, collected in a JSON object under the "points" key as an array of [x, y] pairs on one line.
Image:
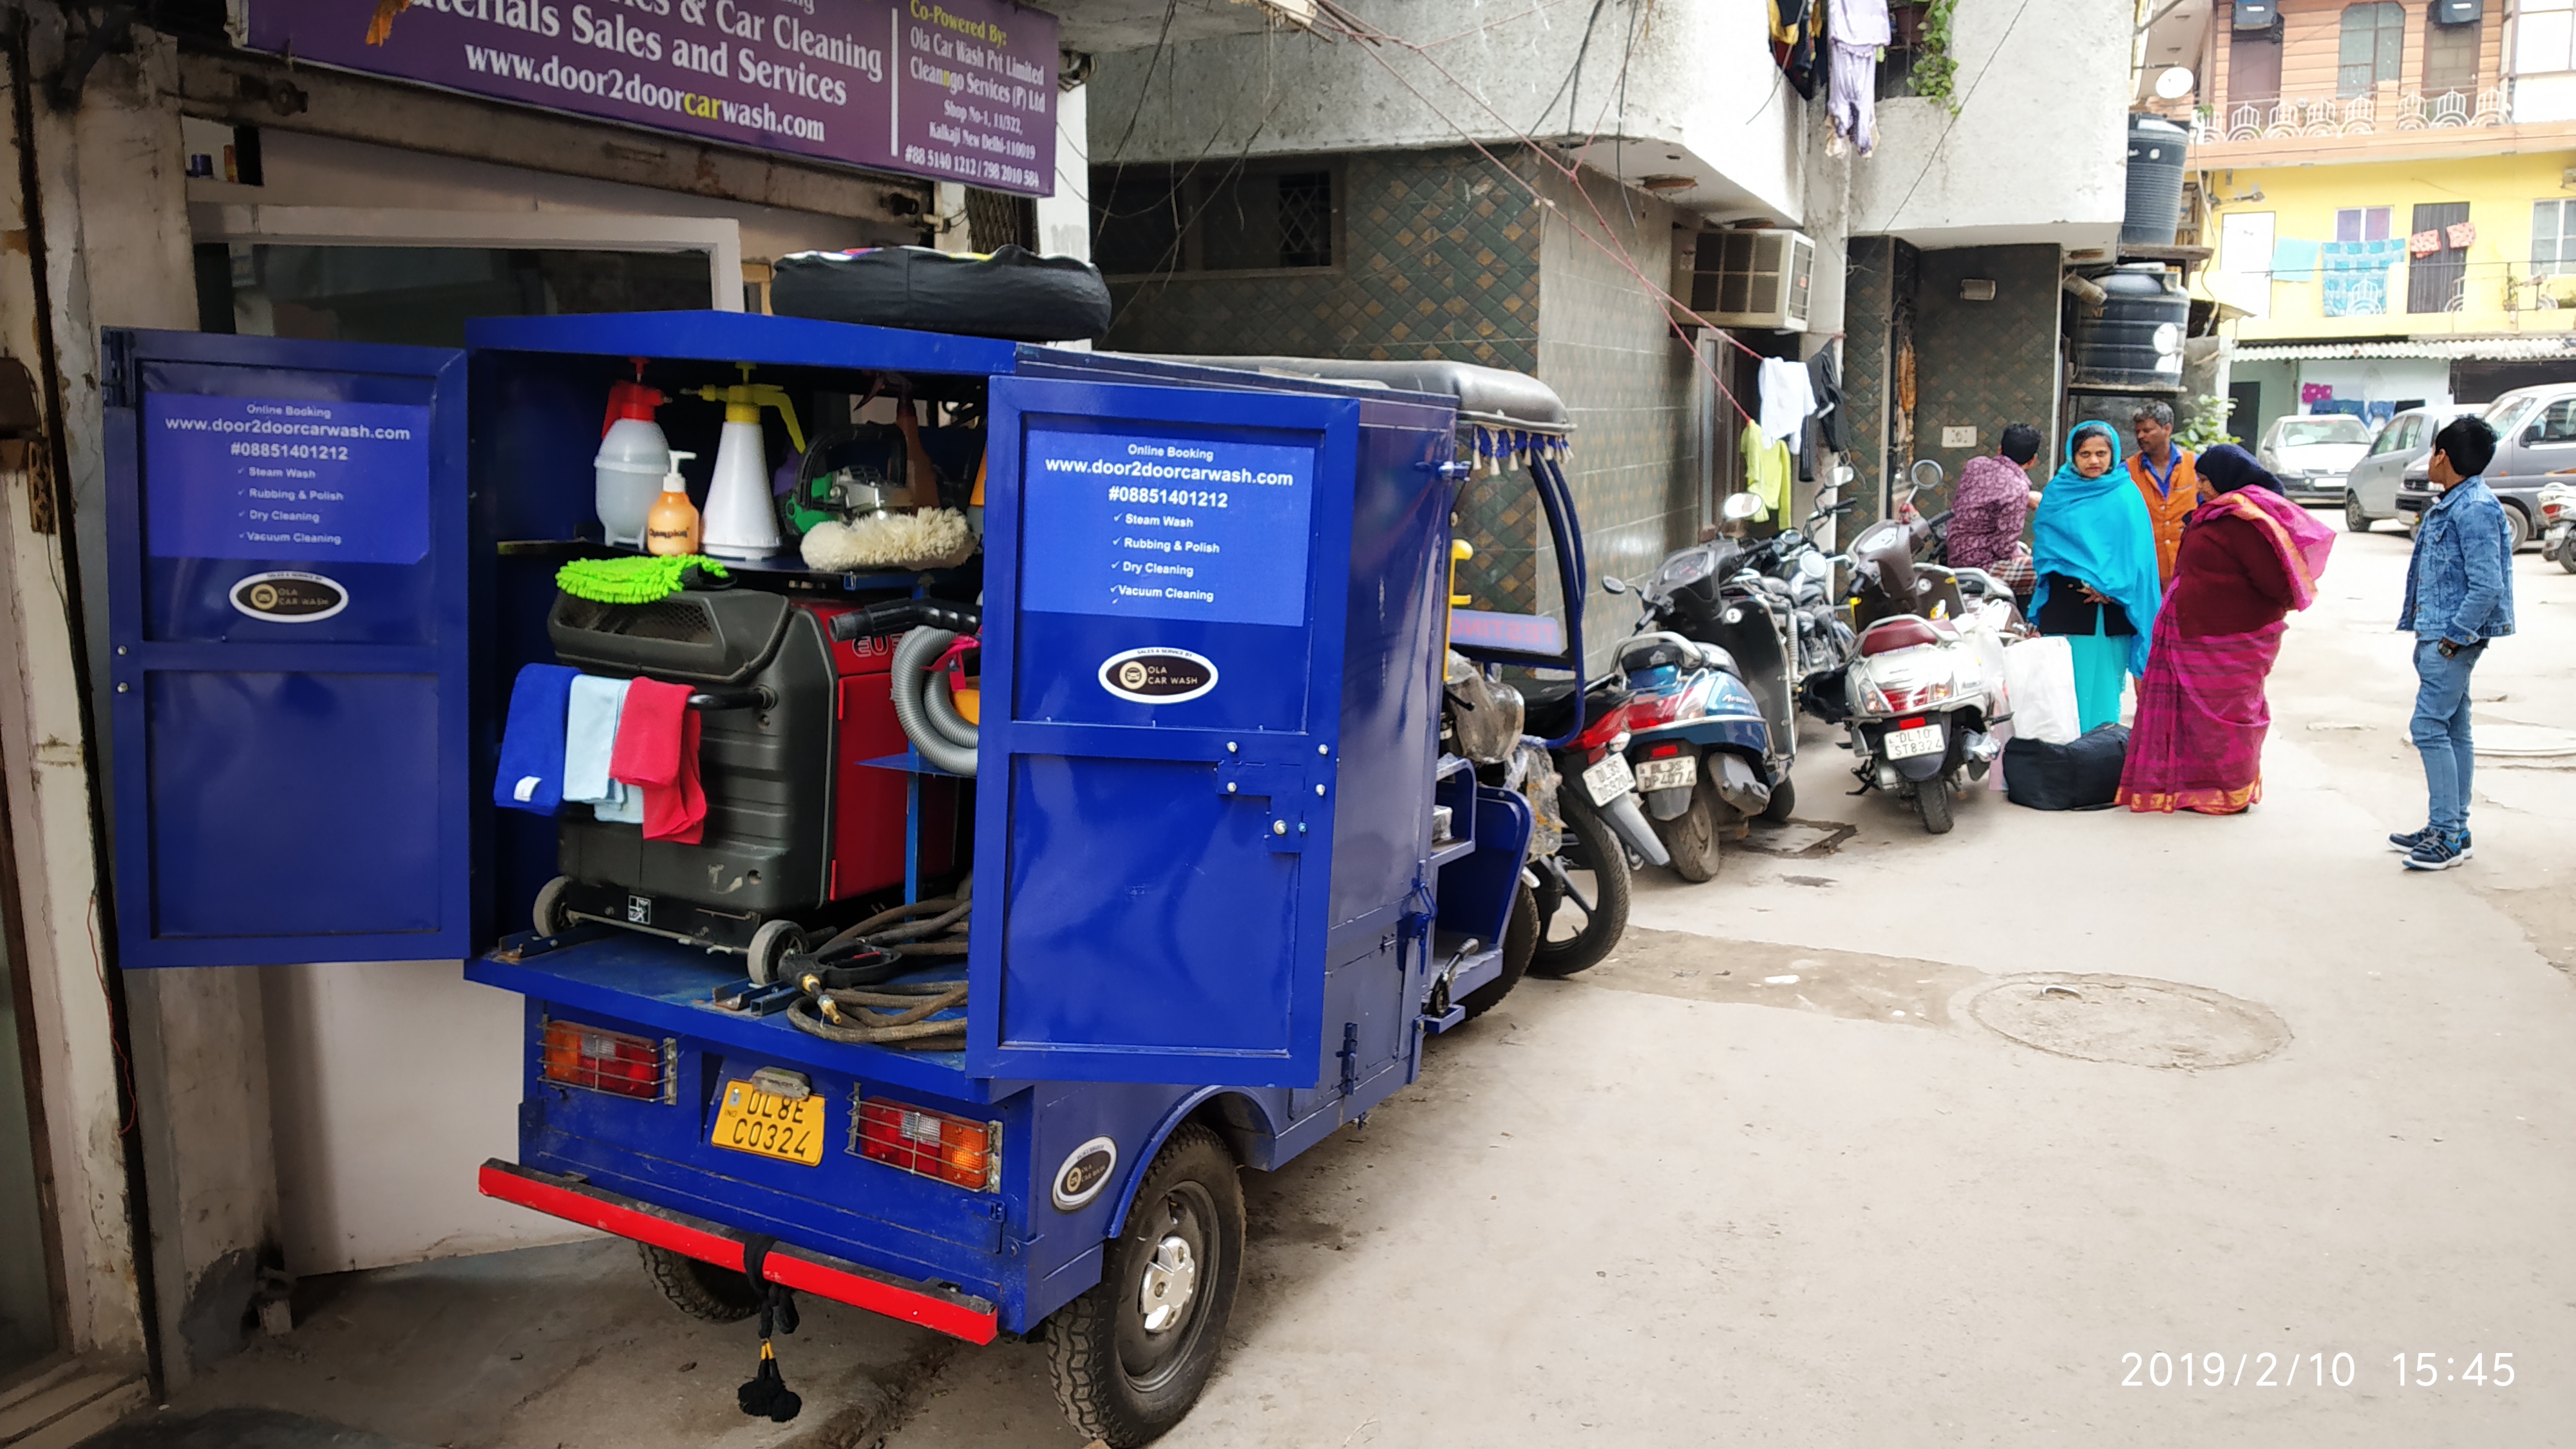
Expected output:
{"points": [[1933, 797], [2567, 558], [2354, 519], [2518, 529], [1582, 913], [1784, 802], [1520, 943], [551, 917], [1691, 837], [773, 943], [1121, 1377], [699, 1289]]}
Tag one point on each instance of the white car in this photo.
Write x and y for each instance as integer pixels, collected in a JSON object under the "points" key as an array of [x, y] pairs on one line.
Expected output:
{"points": [[2371, 489], [2311, 453]]}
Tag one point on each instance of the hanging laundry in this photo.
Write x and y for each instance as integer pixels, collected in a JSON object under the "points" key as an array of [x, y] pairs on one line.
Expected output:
{"points": [[1793, 43], [2294, 260], [2380, 412], [2462, 234], [1858, 30], [657, 748], [1824, 376], [2311, 393], [1787, 399], [2424, 243], [590, 737], [530, 777], [2356, 276], [1766, 469]]}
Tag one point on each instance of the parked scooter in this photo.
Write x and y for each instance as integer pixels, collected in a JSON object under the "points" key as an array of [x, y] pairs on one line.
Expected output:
{"points": [[2558, 524], [1916, 699], [1589, 796], [1712, 735]]}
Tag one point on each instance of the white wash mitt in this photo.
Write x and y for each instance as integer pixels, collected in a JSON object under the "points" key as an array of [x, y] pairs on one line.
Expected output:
{"points": [[932, 538]]}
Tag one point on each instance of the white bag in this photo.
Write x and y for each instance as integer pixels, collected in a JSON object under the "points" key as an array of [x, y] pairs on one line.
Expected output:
{"points": [[2039, 674]]}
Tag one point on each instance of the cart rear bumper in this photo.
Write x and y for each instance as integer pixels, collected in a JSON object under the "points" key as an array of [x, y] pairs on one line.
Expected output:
{"points": [[949, 1311]]}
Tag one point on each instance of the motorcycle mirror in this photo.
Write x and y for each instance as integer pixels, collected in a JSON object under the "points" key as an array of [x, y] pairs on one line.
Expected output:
{"points": [[1613, 584], [1917, 473], [1741, 508], [1843, 475]]}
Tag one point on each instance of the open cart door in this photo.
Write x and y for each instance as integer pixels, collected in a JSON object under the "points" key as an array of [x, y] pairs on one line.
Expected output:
{"points": [[288, 623], [1163, 636]]}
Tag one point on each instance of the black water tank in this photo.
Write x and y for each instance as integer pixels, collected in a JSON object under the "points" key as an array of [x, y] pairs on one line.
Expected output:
{"points": [[2156, 148], [2133, 342]]}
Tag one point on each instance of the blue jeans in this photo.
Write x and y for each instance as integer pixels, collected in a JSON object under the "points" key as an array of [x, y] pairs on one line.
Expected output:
{"points": [[2441, 728]]}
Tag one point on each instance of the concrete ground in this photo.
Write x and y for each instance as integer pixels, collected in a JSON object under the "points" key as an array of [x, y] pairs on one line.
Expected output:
{"points": [[1682, 1199]]}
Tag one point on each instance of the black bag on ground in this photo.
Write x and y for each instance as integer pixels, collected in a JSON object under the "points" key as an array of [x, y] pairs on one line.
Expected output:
{"points": [[2082, 776], [1013, 293]]}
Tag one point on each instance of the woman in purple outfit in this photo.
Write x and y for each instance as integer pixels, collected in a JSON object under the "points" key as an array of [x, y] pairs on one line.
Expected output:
{"points": [[1988, 509]]}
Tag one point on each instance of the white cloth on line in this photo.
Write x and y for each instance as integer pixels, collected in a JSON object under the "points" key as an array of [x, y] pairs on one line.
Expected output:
{"points": [[1860, 22], [1788, 400]]}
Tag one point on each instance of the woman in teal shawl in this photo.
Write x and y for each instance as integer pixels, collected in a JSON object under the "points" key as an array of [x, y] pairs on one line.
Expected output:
{"points": [[2095, 553]]}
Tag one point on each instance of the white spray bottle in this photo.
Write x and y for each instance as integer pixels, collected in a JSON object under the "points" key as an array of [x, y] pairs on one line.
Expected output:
{"points": [[741, 521]]}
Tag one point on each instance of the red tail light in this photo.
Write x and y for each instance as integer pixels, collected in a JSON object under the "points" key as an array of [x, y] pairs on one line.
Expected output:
{"points": [[601, 1060], [934, 1144], [1653, 710], [1664, 751], [1609, 725]]}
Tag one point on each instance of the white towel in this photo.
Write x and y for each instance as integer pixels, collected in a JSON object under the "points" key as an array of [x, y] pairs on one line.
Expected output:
{"points": [[590, 733], [1788, 400]]}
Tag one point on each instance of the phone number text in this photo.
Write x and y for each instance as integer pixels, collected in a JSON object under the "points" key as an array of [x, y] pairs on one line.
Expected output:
{"points": [[1179, 497], [309, 452]]}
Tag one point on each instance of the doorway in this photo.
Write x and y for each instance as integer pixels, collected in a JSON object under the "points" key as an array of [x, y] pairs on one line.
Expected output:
{"points": [[30, 1298], [2244, 411]]}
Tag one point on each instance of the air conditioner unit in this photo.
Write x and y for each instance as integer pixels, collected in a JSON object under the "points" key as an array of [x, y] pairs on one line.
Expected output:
{"points": [[1754, 278], [2255, 14], [2459, 12]]}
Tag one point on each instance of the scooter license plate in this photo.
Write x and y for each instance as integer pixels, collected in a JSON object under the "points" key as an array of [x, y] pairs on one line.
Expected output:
{"points": [[1609, 780], [1906, 744], [766, 1124], [1679, 772]]}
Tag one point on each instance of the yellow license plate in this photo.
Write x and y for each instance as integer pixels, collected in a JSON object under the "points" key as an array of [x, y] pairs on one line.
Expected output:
{"points": [[766, 1124]]}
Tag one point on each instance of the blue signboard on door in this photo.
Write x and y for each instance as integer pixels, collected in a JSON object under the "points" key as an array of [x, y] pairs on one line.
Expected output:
{"points": [[289, 623], [1166, 573]]}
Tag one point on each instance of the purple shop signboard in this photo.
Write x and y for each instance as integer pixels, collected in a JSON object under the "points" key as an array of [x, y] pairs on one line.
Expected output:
{"points": [[961, 90]]}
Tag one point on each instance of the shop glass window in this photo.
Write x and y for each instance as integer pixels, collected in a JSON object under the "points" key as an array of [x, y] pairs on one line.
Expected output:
{"points": [[2362, 223], [1150, 221], [2544, 37], [2553, 238], [421, 296], [2450, 54], [2373, 49]]}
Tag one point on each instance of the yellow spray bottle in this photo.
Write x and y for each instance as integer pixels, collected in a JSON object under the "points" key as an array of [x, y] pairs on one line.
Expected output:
{"points": [[740, 519]]}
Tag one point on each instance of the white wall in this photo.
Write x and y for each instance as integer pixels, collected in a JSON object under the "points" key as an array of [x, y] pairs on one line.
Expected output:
{"points": [[1677, 89], [392, 1082], [1064, 219], [2039, 149], [2396, 379]]}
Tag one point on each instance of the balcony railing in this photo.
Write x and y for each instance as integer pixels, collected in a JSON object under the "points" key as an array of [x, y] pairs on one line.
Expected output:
{"points": [[2363, 115]]}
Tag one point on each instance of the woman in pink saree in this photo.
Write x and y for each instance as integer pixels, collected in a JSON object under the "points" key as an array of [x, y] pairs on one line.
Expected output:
{"points": [[2249, 557]]}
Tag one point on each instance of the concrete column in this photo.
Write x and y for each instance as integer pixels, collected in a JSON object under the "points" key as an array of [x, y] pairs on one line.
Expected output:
{"points": [[117, 252]]}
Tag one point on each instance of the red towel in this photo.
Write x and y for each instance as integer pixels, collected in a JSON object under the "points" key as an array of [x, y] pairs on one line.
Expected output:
{"points": [[657, 751]]}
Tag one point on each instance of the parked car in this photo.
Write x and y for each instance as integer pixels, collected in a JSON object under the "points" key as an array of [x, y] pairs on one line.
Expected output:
{"points": [[2370, 490], [2312, 452], [2535, 438]]}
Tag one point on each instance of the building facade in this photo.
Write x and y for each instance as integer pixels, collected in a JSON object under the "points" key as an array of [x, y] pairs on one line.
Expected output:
{"points": [[2388, 193]]}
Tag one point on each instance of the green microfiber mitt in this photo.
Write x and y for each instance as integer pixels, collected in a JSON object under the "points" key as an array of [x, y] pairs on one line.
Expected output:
{"points": [[638, 579]]}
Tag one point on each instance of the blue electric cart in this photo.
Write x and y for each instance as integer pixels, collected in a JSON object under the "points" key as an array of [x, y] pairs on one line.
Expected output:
{"points": [[1210, 920]]}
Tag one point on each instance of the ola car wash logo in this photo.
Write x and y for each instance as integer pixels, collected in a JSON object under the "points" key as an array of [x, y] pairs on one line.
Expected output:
{"points": [[1157, 676], [289, 598]]}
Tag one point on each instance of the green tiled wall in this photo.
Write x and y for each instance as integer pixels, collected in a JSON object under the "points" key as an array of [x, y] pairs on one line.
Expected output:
{"points": [[1983, 365], [1444, 256]]}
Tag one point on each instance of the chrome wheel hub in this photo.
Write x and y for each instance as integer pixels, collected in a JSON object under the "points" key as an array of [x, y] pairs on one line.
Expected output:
{"points": [[1171, 1280]]}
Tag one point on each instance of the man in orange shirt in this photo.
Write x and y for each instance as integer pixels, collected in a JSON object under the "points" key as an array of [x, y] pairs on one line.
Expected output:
{"points": [[2165, 479]]}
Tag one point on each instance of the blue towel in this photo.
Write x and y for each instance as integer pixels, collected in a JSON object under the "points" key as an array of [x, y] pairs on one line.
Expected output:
{"points": [[532, 742], [2294, 260], [590, 734]]}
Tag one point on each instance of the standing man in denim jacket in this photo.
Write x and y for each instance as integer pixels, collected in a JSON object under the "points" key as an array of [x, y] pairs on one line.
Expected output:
{"points": [[2459, 595]]}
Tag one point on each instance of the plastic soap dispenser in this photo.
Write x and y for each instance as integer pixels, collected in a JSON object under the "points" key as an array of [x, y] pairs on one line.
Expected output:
{"points": [[671, 528], [742, 521], [633, 456]]}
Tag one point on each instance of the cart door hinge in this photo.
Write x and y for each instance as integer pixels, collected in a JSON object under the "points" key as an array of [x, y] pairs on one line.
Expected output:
{"points": [[1350, 1055], [115, 369]]}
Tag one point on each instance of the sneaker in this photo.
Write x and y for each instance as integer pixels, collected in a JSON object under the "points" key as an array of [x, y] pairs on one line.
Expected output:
{"points": [[2407, 843], [2440, 853]]}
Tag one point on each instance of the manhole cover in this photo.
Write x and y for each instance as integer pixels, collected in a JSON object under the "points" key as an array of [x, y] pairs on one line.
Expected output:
{"points": [[2128, 1019], [2522, 741]]}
